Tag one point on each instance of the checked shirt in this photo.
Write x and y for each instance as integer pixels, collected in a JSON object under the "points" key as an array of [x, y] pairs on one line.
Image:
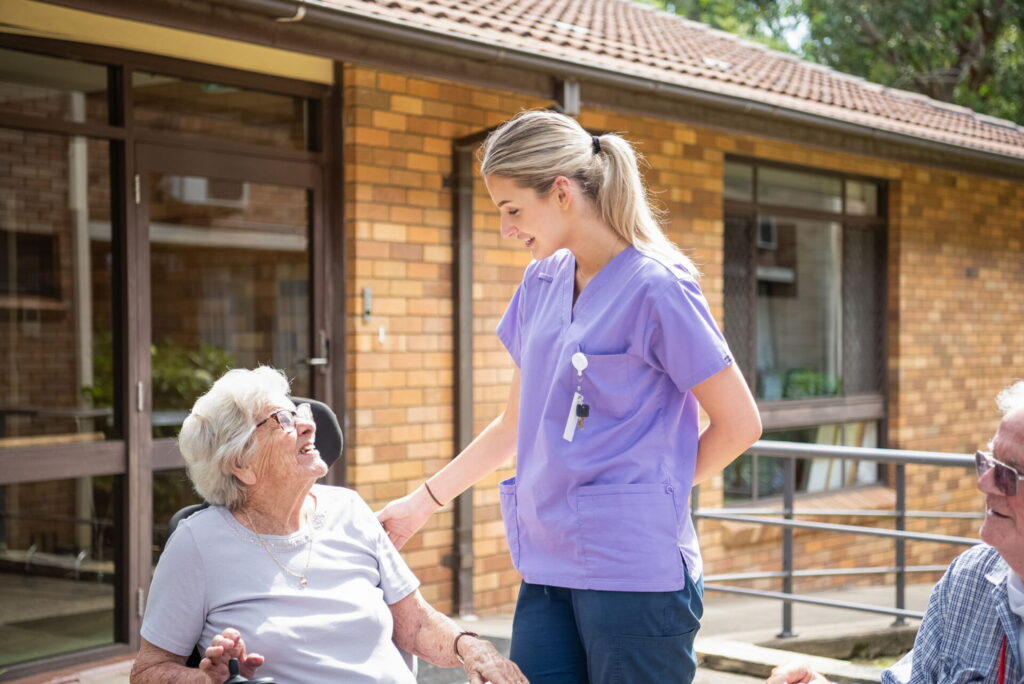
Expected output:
{"points": [[963, 628]]}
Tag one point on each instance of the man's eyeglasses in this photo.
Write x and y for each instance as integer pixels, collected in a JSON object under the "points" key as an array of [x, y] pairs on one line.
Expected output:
{"points": [[1005, 478], [286, 417]]}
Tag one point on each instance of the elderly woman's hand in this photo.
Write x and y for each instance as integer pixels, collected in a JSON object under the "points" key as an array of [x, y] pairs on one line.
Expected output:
{"points": [[225, 646], [483, 663]]}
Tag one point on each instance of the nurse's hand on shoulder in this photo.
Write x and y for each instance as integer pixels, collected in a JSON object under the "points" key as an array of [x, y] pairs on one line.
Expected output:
{"points": [[403, 517], [483, 663], [795, 672]]}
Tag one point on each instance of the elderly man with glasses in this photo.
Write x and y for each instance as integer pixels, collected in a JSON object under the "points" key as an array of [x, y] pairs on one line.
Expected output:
{"points": [[973, 629]]}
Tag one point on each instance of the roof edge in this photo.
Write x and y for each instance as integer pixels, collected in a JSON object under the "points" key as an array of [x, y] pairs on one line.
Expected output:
{"points": [[333, 16]]}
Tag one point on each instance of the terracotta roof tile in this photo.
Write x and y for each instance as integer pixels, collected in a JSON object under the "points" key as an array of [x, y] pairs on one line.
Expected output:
{"points": [[631, 38]]}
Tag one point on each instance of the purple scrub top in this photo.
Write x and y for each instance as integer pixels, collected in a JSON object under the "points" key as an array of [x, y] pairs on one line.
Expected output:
{"points": [[610, 509]]}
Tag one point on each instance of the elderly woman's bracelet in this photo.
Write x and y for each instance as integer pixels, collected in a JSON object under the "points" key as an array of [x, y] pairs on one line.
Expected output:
{"points": [[427, 487], [456, 645]]}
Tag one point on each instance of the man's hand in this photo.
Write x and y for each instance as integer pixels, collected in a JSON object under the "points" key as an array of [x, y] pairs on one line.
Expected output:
{"points": [[795, 672], [483, 663], [225, 646]]}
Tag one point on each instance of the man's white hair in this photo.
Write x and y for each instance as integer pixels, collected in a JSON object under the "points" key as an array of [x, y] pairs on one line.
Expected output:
{"points": [[1011, 398]]}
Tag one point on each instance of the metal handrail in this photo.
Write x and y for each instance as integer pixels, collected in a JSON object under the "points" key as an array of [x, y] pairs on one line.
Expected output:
{"points": [[899, 456], [746, 576], [789, 597], [851, 529], [852, 513], [791, 451]]}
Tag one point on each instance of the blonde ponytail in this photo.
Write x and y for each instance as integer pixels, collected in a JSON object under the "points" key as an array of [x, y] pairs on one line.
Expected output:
{"points": [[535, 147]]}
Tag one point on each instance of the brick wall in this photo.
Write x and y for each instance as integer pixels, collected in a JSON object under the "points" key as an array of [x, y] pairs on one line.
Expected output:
{"points": [[398, 149]]}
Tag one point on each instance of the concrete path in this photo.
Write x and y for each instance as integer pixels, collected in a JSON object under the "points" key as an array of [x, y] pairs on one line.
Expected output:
{"points": [[728, 618]]}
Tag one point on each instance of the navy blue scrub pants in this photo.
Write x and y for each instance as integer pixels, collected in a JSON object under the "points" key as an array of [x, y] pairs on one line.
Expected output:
{"points": [[581, 636]]}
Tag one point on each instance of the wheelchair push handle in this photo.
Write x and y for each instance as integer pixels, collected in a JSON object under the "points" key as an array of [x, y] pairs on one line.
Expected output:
{"points": [[235, 678]]}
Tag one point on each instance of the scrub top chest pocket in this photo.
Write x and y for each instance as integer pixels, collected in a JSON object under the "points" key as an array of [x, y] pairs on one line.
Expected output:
{"points": [[606, 384]]}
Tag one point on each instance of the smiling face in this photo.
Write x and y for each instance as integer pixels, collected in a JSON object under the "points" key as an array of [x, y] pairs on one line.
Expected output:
{"points": [[1003, 527], [539, 221], [284, 459]]}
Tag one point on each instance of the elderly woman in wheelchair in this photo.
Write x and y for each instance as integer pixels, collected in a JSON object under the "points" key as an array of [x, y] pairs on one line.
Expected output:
{"points": [[295, 578]]}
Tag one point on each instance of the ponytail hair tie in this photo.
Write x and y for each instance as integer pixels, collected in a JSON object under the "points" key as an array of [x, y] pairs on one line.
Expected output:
{"points": [[596, 143]]}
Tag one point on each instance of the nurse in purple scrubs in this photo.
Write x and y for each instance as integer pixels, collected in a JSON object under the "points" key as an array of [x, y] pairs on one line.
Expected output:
{"points": [[615, 351]]}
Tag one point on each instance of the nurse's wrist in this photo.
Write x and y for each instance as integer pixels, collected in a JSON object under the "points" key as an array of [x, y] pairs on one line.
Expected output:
{"points": [[430, 496]]}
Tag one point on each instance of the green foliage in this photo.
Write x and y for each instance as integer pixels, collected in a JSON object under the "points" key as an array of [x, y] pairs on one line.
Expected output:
{"points": [[101, 393], [969, 52], [179, 375], [764, 21], [802, 383]]}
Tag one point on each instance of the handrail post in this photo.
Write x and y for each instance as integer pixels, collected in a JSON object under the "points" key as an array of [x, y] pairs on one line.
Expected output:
{"points": [[901, 544], [788, 495]]}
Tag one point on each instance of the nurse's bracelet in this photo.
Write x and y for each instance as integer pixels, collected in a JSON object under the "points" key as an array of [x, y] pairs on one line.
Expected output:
{"points": [[427, 487]]}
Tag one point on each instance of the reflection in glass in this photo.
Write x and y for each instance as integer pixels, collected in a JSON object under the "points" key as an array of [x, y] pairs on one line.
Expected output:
{"points": [[57, 567], [172, 491], [56, 361], [739, 181], [230, 286], [757, 477], [799, 189], [861, 198], [64, 89], [799, 308], [170, 103]]}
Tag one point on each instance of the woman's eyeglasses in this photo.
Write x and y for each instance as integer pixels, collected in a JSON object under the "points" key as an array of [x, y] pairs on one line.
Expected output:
{"points": [[286, 417], [1005, 478]]}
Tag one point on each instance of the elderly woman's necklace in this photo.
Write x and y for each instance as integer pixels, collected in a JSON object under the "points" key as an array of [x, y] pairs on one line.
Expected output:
{"points": [[303, 582]]}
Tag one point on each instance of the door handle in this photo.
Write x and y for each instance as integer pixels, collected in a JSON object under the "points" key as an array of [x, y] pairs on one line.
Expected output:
{"points": [[324, 347]]}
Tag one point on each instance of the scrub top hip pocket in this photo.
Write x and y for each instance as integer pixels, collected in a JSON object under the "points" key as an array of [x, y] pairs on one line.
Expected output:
{"points": [[628, 533], [510, 516]]}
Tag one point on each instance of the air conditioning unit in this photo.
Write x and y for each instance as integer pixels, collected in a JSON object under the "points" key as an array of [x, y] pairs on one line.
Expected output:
{"points": [[208, 192]]}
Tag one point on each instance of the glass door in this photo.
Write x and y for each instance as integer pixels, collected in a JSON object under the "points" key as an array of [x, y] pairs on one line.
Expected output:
{"points": [[230, 284], [61, 443]]}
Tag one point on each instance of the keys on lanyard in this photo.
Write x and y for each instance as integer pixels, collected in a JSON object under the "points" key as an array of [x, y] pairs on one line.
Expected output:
{"points": [[582, 412], [579, 410]]}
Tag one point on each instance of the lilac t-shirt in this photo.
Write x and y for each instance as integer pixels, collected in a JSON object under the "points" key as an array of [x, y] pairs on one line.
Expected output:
{"points": [[215, 574], [610, 509]]}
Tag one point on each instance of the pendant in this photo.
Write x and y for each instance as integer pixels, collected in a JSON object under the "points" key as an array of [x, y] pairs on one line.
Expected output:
{"points": [[303, 583]]}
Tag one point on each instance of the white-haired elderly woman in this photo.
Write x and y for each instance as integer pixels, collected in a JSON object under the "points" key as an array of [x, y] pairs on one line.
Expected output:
{"points": [[295, 578]]}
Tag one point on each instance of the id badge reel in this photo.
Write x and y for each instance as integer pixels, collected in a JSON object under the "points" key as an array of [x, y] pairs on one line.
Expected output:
{"points": [[579, 410]]}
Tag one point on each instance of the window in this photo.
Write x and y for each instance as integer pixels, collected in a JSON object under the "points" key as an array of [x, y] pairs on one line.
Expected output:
{"points": [[111, 304], [51, 87], [225, 112], [804, 315], [34, 271]]}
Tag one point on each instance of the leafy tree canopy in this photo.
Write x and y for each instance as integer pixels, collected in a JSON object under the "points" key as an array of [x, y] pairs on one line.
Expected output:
{"points": [[970, 52]]}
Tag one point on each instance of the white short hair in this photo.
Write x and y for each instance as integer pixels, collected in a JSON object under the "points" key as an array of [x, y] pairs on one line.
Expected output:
{"points": [[1011, 398], [218, 433]]}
